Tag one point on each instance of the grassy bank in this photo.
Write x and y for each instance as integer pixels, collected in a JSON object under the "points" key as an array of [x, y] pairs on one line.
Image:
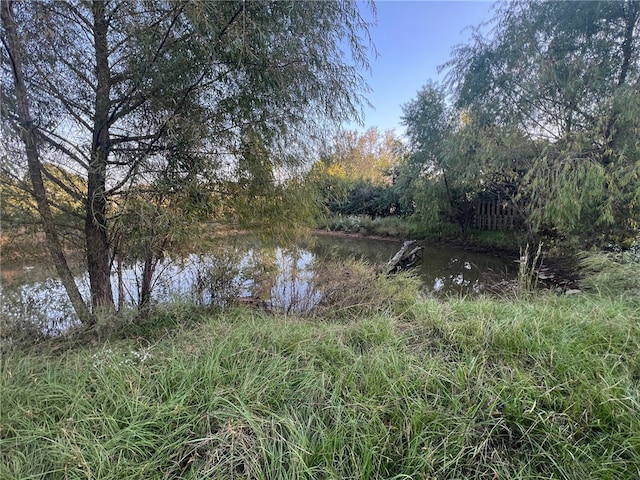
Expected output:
{"points": [[487, 388], [401, 227]]}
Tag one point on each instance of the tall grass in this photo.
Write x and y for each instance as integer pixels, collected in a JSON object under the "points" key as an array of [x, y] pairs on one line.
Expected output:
{"points": [[528, 264], [611, 273], [351, 287], [487, 388]]}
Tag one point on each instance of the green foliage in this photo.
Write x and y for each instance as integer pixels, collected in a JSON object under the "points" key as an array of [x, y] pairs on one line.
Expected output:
{"points": [[154, 222], [353, 287], [284, 211], [65, 191], [527, 280], [364, 198], [542, 118], [433, 230], [564, 75], [455, 160], [405, 227], [226, 97], [394, 226], [459, 389], [421, 178], [572, 189], [368, 156], [356, 175], [16, 205]]}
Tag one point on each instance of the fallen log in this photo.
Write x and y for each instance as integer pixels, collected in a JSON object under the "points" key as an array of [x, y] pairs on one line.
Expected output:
{"points": [[407, 257]]}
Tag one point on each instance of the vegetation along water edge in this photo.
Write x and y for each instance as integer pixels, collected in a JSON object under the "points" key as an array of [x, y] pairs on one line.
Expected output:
{"points": [[135, 133], [518, 387]]}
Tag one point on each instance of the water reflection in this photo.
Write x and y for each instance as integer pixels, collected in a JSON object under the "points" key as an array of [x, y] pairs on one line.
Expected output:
{"points": [[278, 278], [42, 307], [293, 289], [444, 270]]}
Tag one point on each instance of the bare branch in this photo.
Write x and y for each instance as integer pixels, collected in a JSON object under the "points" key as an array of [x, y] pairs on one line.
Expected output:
{"points": [[56, 141]]}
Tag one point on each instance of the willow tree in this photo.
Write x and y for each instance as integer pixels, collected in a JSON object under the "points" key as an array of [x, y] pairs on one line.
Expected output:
{"points": [[424, 178], [567, 75], [124, 92]]}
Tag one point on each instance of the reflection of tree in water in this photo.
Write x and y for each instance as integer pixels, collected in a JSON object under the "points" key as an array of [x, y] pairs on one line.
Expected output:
{"points": [[218, 278], [275, 277], [293, 289], [278, 278], [35, 311], [263, 274]]}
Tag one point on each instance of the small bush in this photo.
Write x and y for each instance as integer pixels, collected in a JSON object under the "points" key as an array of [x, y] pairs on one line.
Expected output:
{"points": [[353, 287], [386, 227], [427, 230], [340, 223], [392, 226]]}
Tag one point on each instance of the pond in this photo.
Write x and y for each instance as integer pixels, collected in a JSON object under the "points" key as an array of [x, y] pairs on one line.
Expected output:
{"points": [[243, 268], [443, 270]]}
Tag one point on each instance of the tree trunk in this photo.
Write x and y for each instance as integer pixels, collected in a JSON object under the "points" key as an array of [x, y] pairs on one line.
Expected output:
{"points": [[120, 286], [27, 135], [148, 270], [464, 229], [631, 16], [407, 257], [98, 264]]}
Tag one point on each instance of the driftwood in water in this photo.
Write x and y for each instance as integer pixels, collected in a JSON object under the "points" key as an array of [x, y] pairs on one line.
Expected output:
{"points": [[407, 257]]}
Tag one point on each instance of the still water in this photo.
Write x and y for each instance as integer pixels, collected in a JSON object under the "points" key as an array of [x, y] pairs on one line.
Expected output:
{"points": [[282, 278]]}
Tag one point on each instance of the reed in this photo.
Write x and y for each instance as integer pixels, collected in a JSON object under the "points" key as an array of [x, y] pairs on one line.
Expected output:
{"points": [[528, 264]]}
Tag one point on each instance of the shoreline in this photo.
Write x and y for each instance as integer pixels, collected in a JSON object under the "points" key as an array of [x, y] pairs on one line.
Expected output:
{"points": [[555, 272]]}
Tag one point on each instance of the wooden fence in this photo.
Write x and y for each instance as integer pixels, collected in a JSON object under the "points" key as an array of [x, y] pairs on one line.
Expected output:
{"points": [[496, 214]]}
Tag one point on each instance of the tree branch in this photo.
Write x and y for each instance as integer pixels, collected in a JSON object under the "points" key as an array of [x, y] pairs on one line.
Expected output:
{"points": [[50, 138]]}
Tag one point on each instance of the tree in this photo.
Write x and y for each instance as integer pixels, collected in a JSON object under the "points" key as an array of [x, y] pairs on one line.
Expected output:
{"points": [[126, 91], [366, 156], [355, 173], [566, 74], [24, 126], [156, 220], [435, 178], [457, 158], [490, 162]]}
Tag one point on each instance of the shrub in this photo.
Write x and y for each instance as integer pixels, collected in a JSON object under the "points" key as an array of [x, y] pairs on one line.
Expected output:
{"points": [[353, 287]]}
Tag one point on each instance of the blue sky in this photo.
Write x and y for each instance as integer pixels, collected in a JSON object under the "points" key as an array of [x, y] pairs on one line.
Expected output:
{"points": [[412, 39]]}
